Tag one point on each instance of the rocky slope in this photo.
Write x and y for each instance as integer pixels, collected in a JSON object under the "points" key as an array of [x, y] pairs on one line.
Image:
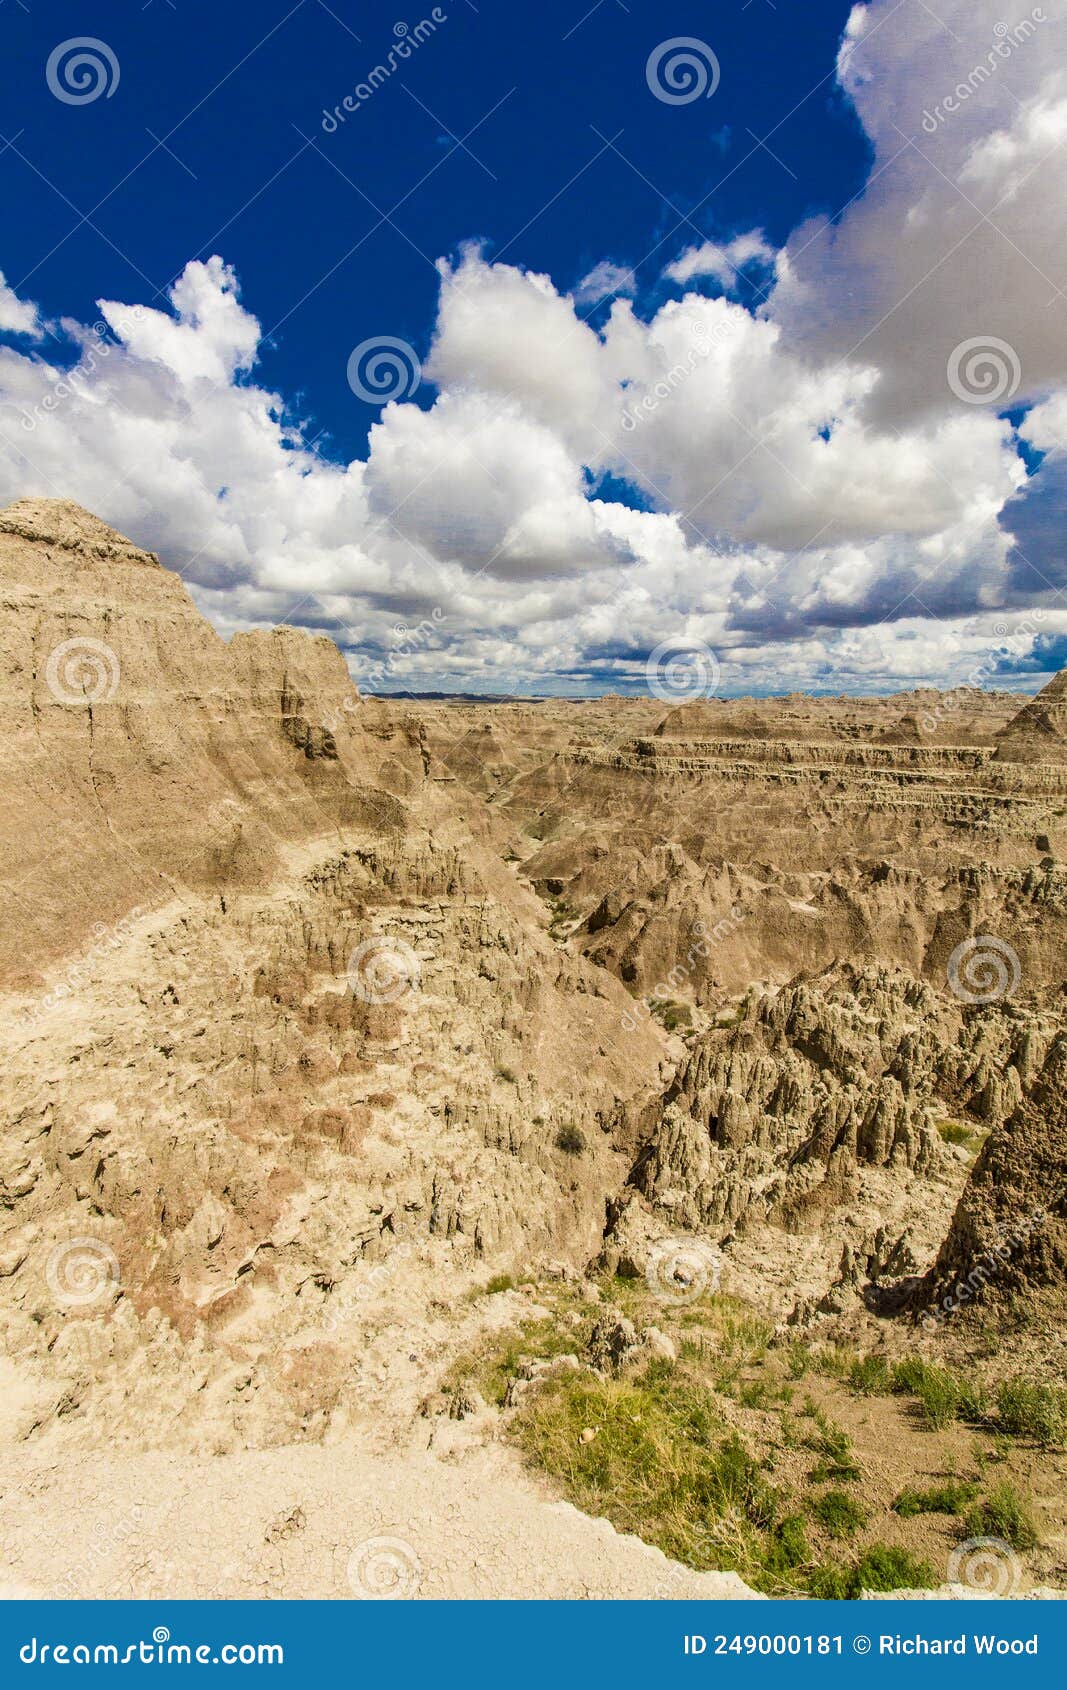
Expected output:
{"points": [[320, 1010]]}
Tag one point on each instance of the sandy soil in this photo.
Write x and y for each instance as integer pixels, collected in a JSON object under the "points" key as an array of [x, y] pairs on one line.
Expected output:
{"points": [[321, 1522]]}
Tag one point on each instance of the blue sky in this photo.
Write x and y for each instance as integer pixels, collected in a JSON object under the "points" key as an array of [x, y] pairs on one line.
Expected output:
{"points": [[815, 504], [556, 78]]}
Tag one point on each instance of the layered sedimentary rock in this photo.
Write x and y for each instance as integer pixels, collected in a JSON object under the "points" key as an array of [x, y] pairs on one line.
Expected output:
{"points": [[315, 1004], [279, 1018], [145, 753], [742, 866]]}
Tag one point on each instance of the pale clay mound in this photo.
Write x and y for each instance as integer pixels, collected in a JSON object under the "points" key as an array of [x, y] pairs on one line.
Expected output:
{"points": [[243, 1208]]}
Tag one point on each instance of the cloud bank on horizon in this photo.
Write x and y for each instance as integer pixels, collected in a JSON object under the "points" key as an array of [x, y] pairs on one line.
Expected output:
{"points": [[857, 485]]}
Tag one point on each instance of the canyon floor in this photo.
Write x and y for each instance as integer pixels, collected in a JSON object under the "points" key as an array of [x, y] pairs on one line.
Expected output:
{"points": [[595, 1148]]}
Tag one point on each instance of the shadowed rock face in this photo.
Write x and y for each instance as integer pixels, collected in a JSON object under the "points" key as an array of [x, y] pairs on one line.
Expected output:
{"points": [[1009, 1233], [1038, 734]]}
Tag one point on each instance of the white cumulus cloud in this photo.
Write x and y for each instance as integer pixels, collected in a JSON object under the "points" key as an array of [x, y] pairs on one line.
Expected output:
{"points": [[800, 486]]}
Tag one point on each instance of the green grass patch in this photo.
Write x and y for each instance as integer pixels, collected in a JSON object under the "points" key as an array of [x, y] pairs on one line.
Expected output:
{"points": [[538, 1339], [1026, 1409], [829, 1439], [671, 1015], [1004, 1514], [838, 1513], [499, 1282], [1019, 1408], [871, 1377], [661, 1461], [955, 1132], [943, 1396], [878, 1568], [952, 1497]]}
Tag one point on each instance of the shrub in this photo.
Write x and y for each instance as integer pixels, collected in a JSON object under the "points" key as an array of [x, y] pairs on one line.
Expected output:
{"points": [[950, 1498], [499, 1282], [835, 1472], [882, 1568], [838, 1513], [944, 1396], [1029, 1410], [570, 1139], [871, 1377], [835, 1447], [1003, 1514], [878, 1568], [829, 1439], [786, 1547], [672, 1015]]}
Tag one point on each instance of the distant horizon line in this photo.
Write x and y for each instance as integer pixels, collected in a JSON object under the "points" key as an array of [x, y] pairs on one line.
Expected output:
{"points": [[1028, 691]]}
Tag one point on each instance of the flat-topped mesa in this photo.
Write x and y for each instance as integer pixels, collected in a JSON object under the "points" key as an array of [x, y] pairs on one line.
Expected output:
{"points": [[1038, 734], [143, 751]]}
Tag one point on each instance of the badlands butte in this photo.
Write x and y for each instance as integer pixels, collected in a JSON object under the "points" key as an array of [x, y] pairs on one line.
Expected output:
{"points": [[589, 1148]]}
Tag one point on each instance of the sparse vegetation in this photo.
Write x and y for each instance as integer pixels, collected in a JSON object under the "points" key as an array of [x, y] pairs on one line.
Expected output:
{"points": [[871, 1376], [956, 1132], [829, 1440], [838, 1513], [952, 1497], [499, 1282], [1004, 1514], [570, 1139], [1020, 1407], [704, 1455], [561, 917], [671, 1015], [1027, 1409], [878, 1568]]}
